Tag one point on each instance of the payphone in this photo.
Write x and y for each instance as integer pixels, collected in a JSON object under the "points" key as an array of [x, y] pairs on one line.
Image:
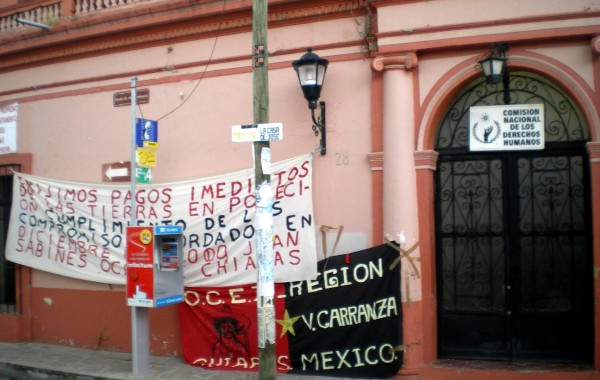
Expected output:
{"points": [[154, 265]]}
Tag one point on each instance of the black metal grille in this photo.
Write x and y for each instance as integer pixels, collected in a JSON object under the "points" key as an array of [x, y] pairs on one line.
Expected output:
{"points": [[472, 241], [552, 232], [564, 121]]}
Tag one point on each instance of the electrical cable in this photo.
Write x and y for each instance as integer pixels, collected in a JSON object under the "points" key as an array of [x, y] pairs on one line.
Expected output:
{"points": [[203, 72]]}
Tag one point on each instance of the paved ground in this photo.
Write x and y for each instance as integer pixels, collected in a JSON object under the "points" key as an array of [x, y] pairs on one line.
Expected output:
{"points": [[44, 361]]}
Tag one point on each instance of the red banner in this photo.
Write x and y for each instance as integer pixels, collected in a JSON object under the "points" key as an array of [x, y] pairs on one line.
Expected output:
{"points": [[219, 328]]}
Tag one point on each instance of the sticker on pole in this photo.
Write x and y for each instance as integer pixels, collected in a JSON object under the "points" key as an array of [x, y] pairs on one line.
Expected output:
{"points": [[257, 132], [146, 133], [143, 175]]}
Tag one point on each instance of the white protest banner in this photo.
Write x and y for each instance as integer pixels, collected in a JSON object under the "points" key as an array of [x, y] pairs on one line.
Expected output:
{"points": [[78, 229]]}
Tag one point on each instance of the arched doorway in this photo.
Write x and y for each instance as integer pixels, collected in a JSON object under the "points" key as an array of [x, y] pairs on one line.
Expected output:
{"points": [[513, 234]]}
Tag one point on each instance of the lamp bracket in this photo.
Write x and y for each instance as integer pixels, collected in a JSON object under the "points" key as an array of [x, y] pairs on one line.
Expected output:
{"points": [[319, 126], [499, 48]]}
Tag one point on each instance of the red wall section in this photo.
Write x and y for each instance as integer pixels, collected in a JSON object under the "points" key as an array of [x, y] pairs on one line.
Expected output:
{"points": [[98, 319]]}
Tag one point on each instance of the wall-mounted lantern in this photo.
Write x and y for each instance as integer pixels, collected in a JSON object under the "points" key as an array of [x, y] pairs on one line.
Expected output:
{"points": [[495, 69], [311, 72]]}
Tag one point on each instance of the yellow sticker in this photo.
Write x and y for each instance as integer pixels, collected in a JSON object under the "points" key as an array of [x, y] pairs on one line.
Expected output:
{"points": [[150, 144], [146, 236]]}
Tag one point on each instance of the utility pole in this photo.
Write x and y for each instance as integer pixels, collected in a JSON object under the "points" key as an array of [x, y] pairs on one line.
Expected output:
{"points": [[140, 325], [262, 175]]}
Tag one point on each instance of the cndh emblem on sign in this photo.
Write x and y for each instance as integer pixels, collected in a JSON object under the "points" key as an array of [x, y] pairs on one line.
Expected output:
{"points": [[486, 131]]}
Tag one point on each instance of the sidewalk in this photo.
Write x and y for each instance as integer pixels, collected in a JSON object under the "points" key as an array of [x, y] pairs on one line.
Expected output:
{"points": [[50, 362], [35, 361]]}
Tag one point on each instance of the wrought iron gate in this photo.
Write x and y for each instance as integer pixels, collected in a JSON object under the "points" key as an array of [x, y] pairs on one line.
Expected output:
{"points": [[513, 236]]}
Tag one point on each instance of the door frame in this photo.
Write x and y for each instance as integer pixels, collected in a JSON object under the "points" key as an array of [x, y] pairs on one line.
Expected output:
{"points": [[431, 111], [17, 327]]}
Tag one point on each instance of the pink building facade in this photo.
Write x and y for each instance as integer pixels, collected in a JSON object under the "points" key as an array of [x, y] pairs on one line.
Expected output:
{"points": [[401, 79]]}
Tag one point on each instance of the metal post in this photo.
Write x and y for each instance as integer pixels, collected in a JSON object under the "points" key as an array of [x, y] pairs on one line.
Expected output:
{"points": [[140, 326], [506, 86], [262, 175]]}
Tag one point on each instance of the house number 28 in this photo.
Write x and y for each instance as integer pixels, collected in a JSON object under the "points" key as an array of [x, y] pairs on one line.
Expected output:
{"points": [[342, 158]]}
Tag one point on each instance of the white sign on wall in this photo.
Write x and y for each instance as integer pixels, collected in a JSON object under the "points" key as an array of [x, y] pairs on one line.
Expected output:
{"points": [[506, 127], [8, 128], [257, 132]]}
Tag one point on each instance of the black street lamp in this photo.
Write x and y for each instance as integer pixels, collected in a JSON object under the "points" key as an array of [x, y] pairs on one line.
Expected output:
{"points": [[495, 69], [311, 72]]}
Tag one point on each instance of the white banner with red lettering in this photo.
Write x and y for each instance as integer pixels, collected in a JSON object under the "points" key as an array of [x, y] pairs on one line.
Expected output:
{"points": [[78, 229]]}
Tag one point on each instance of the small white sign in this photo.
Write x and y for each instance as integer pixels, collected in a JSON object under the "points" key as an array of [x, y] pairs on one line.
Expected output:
{"points": [[506, 127], [257, 132], [8, 128], [265, 160]]}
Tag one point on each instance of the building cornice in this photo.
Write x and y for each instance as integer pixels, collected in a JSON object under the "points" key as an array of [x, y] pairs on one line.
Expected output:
{"points": [[158, 24]]}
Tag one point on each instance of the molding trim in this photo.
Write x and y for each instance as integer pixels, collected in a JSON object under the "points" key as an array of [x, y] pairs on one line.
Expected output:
{"points": [[593, 148], [376, 161], [406, 61], [596, 44], [426, 159]]}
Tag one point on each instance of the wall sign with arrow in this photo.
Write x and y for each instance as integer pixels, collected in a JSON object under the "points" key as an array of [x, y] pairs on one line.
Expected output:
{"points": [[116, 171]]}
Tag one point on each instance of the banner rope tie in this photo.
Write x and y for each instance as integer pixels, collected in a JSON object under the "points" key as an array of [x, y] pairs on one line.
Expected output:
{"points": [[403, 347], [404, 254], [324, 229]]}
